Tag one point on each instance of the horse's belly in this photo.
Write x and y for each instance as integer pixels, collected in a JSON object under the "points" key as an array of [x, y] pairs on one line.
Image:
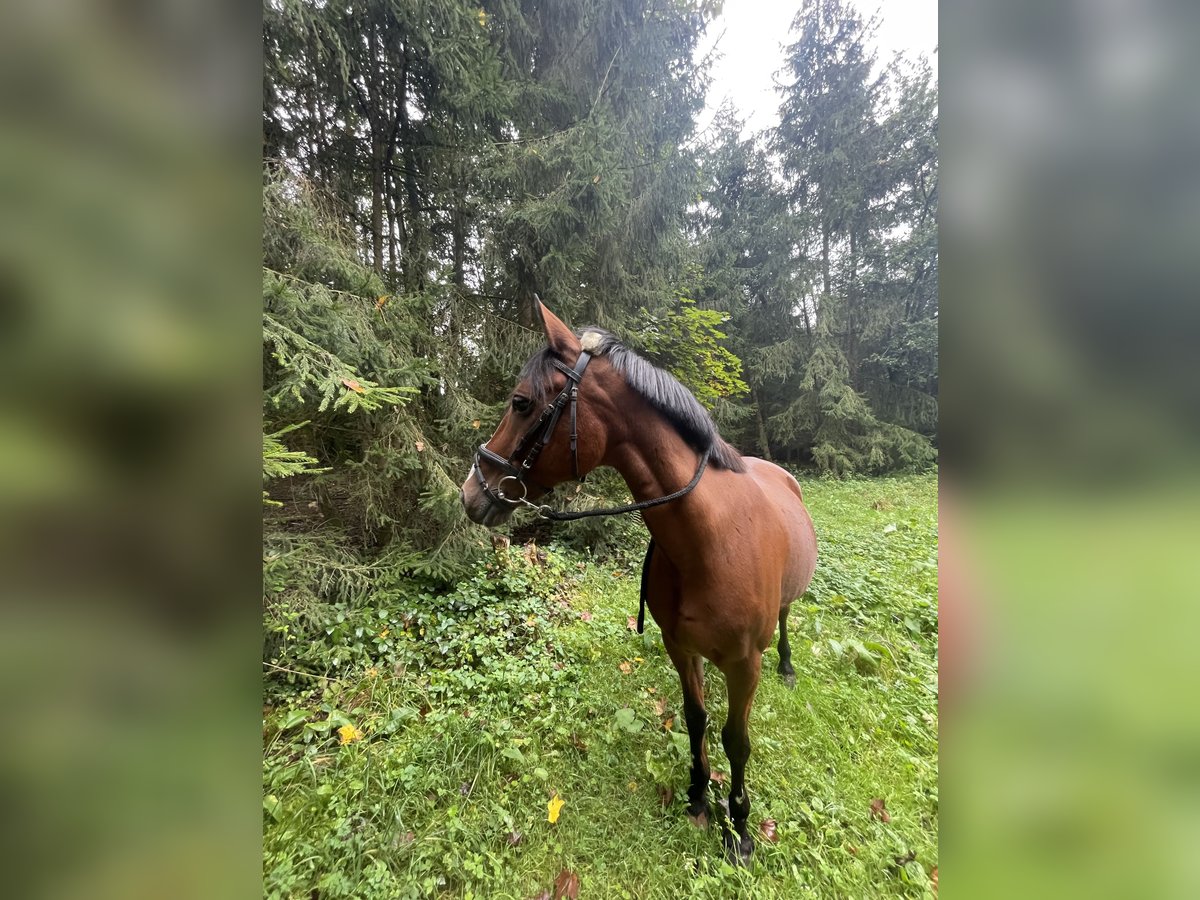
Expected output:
{"points": [[802, 555], [786, 521]]}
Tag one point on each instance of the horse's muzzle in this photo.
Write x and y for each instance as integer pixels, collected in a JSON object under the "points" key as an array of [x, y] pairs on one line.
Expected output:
{"points": [[479, 508]]}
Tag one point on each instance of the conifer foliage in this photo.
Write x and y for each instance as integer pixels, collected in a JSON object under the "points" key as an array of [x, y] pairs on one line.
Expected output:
{"points": [[430, 166], [820, 238]]}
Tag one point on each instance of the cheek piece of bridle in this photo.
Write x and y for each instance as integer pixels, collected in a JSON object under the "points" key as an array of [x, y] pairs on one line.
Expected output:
{"points": [[534, 442]]}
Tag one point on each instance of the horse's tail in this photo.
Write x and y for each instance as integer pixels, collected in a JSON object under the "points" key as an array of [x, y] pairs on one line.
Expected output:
{"points": [[641, 619]]}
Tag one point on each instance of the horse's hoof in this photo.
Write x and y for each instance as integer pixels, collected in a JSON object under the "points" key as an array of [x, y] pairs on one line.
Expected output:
{"points": [[789, 677], [738, 851], [699, 819]]}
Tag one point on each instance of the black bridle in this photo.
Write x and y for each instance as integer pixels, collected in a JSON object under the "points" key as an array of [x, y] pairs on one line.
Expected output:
{"points": [[518, 466], [530, 447]]}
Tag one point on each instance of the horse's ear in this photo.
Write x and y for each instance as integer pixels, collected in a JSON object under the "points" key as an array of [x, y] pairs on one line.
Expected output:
{"points": [[560, 338]]}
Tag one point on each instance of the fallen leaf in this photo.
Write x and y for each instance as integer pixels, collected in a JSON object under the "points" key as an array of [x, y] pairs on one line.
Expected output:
{"points": [[667, 724], [403, 840], [566, 885], [767, 830], [475, 423], [380, 302], [347, 734], [853, 850], [631, 623], [651, 690], [717, 777], [878, 811], [420, 446], [577, 743], [353, 385], [625, 668], [618, 574], [586, 616], [553, 808], [933, 878], [660, 706], [514, 838], [665, 795]]}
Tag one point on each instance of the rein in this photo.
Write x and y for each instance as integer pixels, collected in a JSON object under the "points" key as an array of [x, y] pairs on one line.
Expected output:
{"points": [[535, 441], [565, 516]]}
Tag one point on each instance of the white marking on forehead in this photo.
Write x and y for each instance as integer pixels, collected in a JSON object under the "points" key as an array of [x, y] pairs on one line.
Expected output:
{"points": [[590, 341]]}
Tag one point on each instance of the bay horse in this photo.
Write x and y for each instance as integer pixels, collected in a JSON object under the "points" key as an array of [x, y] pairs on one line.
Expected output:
{"points": [[731, 541]]}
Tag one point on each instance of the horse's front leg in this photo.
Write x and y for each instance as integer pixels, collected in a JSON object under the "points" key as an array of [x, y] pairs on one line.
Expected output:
{"points": [[741, 677], [691, 677]]}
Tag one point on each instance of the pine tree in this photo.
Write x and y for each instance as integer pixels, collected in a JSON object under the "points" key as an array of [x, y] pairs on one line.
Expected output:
{"points": [[432, 166], [833, 144]]}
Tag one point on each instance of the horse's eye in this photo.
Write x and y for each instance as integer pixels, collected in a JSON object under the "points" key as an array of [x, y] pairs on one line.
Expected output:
{"points": [[521, 404]]}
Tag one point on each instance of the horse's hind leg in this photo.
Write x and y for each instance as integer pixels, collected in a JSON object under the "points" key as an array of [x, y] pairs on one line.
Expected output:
{"points": [[691, 677], [785, 649], [742, 680]]}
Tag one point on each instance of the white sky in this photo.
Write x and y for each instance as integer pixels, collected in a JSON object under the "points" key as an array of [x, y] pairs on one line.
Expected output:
{"points": [[750, 35]]}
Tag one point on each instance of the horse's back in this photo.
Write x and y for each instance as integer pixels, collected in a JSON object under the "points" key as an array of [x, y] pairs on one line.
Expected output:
{"points": [[792, 523]]}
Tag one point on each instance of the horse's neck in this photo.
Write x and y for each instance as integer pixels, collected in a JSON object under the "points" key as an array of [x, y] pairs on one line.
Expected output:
{"points": [[655, 462]]}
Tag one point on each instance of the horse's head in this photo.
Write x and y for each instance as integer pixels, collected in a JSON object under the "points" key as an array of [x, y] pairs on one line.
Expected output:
{"points": [[532, 450]]}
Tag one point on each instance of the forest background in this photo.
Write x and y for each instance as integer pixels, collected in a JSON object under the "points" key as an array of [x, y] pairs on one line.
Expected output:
{"points": [[431, 167]]}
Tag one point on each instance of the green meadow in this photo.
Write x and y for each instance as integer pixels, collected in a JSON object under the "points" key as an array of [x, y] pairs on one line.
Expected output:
{"points": [[418, 740]]}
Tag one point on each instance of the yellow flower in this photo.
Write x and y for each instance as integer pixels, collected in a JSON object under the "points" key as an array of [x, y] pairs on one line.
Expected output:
{"points": [[372, 672], [553, 808], [348, 734]]}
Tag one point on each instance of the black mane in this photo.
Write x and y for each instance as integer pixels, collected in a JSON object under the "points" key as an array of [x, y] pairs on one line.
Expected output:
{"points": [[659, 388]]}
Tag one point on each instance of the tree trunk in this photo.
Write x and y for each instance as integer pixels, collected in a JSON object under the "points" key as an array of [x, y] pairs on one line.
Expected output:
{"points": [[414, 274], [764, 445], [851, 344], [376, 202], [825, 259], [459, 228], [393, 250], [377, 158], [526, 287]]}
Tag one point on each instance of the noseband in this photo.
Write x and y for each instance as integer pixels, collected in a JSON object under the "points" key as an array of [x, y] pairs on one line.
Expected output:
{"points": [[534, 442]]}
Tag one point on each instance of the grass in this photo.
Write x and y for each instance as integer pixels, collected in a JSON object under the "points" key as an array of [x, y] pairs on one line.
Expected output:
{"points": [[477, 708]]}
